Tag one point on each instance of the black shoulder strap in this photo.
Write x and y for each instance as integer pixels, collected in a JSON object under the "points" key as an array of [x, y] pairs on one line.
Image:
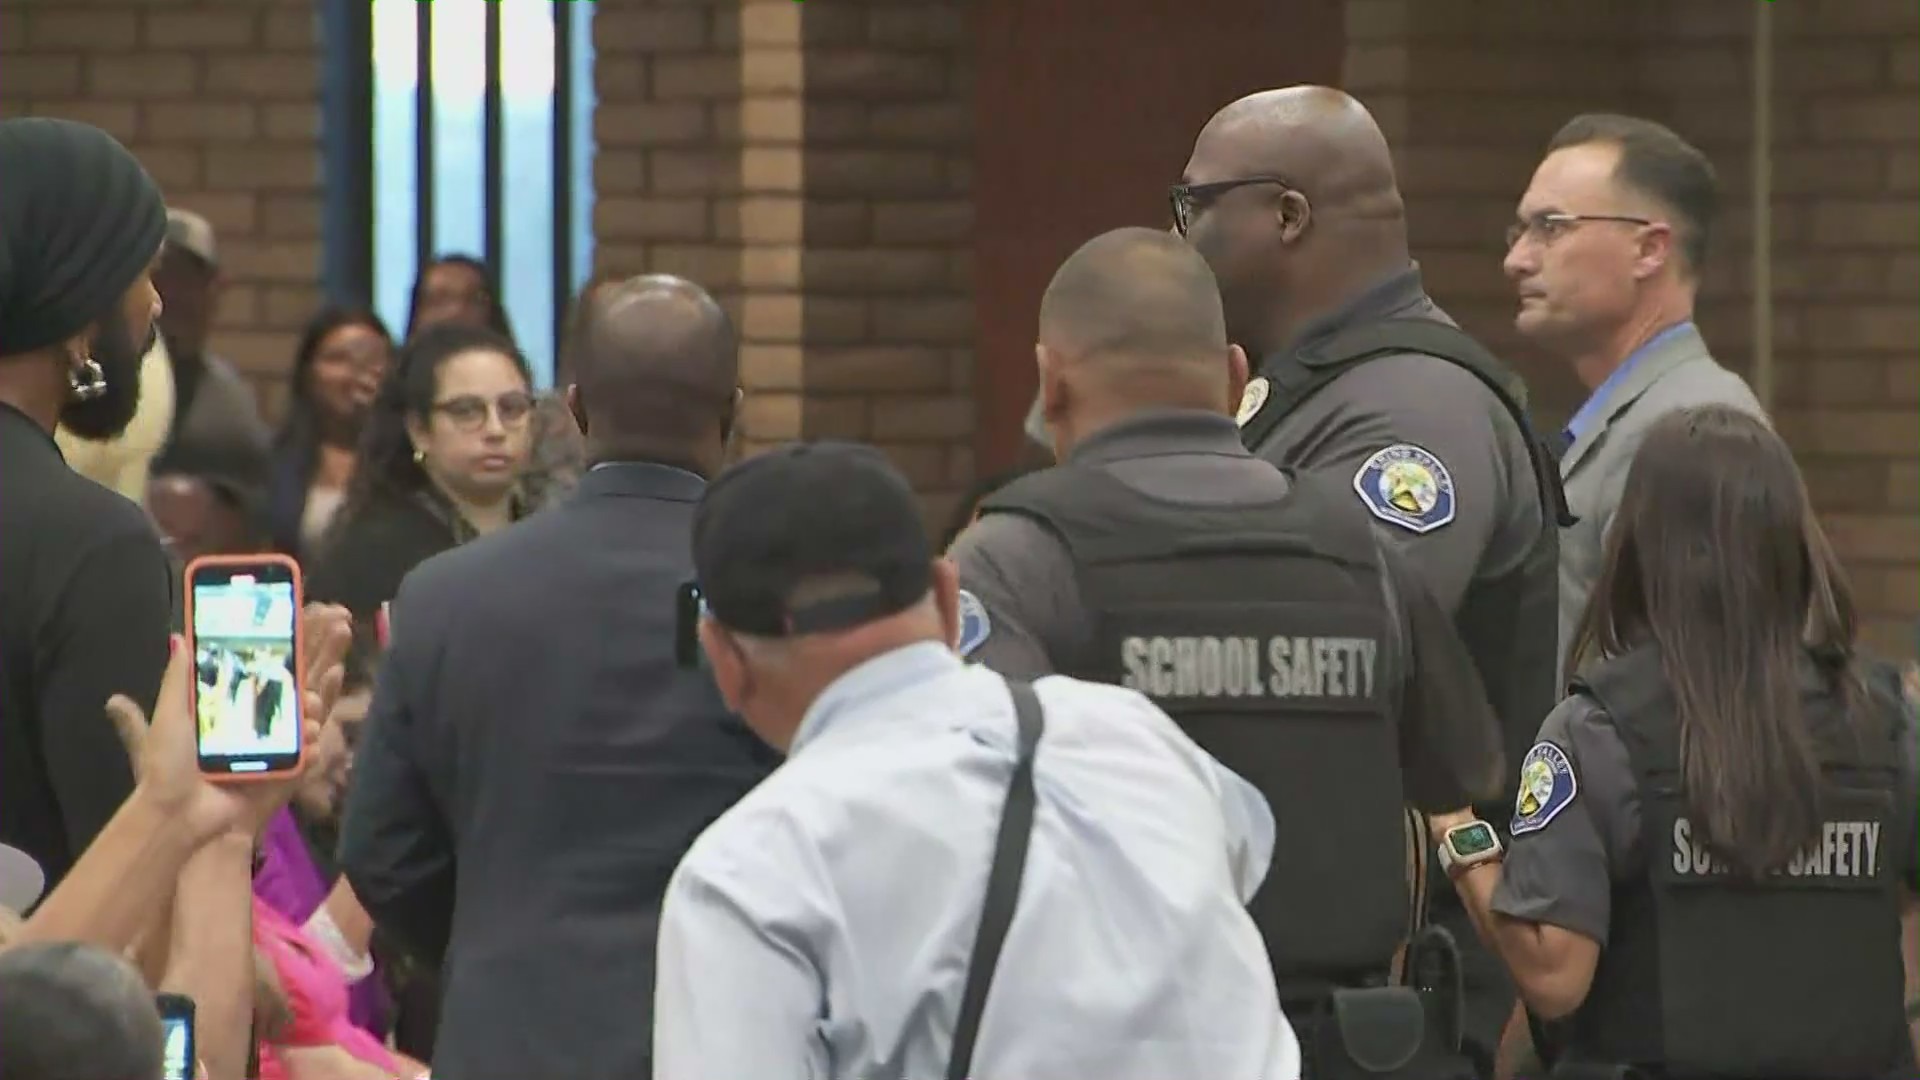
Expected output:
{"points": [[1294, 380], [1003, 881]]}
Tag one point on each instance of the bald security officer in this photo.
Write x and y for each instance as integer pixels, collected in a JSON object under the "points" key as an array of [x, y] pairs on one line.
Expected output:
{"points": [[1258, 610], [1291, 196]]}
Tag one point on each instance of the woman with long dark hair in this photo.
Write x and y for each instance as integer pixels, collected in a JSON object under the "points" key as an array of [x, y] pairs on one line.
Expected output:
{"points": [[343, 355], [1714, 836], [440, 463]]}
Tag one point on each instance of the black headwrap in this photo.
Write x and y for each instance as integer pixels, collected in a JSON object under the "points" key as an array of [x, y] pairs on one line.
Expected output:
{"points": [[79, 220]]}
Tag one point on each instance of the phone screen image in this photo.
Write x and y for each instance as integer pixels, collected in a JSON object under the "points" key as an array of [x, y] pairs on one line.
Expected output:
{"points": [[179, 1059], [176, 1019], [246, 695]]}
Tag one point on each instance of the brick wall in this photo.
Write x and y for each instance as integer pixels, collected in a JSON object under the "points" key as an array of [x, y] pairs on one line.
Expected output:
{"points": [[1846, 273], [886, 270], [812, 164], [808, 163], [667, 127], [220, 100], [1470, 92]]}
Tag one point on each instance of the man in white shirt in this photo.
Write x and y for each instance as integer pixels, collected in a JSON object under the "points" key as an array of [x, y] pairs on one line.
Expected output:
{"points": [[823, 927]]}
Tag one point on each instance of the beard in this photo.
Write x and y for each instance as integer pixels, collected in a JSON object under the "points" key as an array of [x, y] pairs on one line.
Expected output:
{"points": [[119, 356]]}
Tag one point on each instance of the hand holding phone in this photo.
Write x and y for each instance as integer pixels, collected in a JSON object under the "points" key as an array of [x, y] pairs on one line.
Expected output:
{"points": [[165, 751], [176, 1019], [246, 649]]}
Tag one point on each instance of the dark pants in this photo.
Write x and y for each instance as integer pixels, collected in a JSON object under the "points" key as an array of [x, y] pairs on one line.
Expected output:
{"points": [[264, 705], [1489, 989]]}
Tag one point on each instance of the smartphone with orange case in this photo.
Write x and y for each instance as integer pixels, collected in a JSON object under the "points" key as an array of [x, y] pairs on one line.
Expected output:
{"points": [[243, 638]]}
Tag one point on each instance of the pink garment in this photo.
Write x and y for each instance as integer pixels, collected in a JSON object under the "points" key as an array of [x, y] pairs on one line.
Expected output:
{"points": [[317, 992]]}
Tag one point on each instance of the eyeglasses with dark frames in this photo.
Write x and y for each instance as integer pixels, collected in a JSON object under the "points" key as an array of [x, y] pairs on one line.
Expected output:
{"points": [[1187, 200], [468, 412], [1550, 227]]}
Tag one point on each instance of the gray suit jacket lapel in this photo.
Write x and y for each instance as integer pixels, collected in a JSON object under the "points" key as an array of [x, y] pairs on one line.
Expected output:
{"points": [[1670, 354]]}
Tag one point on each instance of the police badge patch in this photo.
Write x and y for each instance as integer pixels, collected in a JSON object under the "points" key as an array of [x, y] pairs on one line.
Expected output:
{"points": [[1547, 786], [974, 624], [1406, 486]]}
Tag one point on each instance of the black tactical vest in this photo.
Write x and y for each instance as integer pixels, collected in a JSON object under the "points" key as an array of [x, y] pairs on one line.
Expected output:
{"points": [[1263, 632], [1510, 624], [1710, 975]]}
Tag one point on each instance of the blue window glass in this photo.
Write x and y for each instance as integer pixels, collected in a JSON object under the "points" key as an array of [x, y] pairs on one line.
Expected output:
{"points": [[396, 130], [546, 181], [527, 115]]}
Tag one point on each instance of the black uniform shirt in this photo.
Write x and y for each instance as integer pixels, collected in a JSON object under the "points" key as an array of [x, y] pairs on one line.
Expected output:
{"points": [[1032, 614], [1578, 834], [86, 598], [1450, 421]]}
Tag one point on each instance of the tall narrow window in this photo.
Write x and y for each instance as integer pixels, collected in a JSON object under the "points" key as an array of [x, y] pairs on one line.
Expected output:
{"points": [[396, 135], [462, 128], [527, 120], [458, 77]]}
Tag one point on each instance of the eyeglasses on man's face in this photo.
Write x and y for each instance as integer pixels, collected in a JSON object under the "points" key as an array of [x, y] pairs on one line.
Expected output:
{"points": [[1546, 228], [1188, 200]]}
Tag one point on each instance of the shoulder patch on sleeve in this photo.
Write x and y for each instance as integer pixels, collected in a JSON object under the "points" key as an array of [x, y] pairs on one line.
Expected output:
{"points": [[1547, 786], [1405, 485], [974, 624]]}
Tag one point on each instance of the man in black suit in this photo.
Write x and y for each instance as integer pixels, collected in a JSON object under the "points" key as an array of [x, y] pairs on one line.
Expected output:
{"points": [[535, 761]]}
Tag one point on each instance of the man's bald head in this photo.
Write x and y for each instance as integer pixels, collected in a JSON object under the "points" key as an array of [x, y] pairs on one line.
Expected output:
{"points": [[1132, 324], [1134, 294], [657, 367], [1320, 138], [1292, 198]]}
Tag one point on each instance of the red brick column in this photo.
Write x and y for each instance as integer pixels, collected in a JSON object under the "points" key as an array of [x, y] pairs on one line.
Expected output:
{"points": [[809, 163], [888, 323]]}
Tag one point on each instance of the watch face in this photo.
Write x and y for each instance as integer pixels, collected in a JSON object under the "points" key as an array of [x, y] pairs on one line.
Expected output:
{"points": [[1469, 840]]}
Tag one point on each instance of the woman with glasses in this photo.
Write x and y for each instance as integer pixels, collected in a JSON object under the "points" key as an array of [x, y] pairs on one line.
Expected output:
{"points": [[441, 460], [1714, 837]]}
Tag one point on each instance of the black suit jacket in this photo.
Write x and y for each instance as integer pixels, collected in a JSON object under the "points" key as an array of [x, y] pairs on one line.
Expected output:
{"points": [[534, 766]]}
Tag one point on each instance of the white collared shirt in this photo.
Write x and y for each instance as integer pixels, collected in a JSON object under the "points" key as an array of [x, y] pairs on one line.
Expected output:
{"points": [[821, 928]]}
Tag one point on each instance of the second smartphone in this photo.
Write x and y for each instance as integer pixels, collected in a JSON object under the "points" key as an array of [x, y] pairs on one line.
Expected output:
{"points": [[176, 1018], [243, 630]]}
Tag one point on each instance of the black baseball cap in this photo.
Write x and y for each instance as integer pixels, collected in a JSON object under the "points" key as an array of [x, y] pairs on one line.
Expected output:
{"points": [[802, 512]]}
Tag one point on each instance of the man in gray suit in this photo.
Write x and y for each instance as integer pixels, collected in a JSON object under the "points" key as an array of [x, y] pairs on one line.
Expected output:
{"points": [[1606, 254], [536, 760]]}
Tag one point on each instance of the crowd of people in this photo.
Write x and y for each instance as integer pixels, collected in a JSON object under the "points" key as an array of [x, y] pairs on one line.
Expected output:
{"points": [[1297, 709]]}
